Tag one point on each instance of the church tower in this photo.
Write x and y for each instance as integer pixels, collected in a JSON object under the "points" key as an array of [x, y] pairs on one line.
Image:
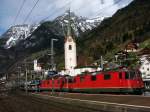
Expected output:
{"points": [[70, 48]]}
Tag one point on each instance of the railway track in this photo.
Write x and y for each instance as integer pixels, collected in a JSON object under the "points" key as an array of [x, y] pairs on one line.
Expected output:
{"points": [[140, 100], [111, 103], [20, 102], [62, 107], [27, 103]]}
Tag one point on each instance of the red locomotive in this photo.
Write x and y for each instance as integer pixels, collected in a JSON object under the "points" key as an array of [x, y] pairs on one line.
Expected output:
{"points": [[120, 81]]}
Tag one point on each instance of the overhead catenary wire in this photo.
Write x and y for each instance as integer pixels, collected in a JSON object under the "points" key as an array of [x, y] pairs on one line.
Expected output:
{"points": [[30, 12], [19, 11]]}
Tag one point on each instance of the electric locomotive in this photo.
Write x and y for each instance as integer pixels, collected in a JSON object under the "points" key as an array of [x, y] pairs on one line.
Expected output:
{"points": [[114, 81]]}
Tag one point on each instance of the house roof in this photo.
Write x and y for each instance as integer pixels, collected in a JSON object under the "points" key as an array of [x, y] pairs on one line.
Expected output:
{"points": [[131, 46], [145, 51], [86, 67], [121, 53]]}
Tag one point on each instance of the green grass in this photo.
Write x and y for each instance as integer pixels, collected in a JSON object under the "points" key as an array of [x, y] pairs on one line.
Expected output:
{"points": [[145, 44]]}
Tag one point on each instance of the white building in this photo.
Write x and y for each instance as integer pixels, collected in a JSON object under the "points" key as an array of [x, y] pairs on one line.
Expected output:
{"points": [[131, 47], [70, 53], [70, 50], [145, 67], [71, 56], [80, 70], [37, 66]]}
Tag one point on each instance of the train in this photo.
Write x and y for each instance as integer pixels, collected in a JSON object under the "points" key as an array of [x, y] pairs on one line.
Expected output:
{"points": [[114, 81]]}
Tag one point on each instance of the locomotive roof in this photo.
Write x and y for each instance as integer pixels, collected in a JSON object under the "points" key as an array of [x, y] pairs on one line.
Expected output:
{"points": [[92, 73], [103, 72]]}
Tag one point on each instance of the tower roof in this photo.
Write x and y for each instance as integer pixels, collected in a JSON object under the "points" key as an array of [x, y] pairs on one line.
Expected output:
{"points": [[69, 33]]}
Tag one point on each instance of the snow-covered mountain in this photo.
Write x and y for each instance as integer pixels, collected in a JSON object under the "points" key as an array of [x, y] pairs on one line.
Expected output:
{"points": [[78, 23], [17, 33], [24, 32]]}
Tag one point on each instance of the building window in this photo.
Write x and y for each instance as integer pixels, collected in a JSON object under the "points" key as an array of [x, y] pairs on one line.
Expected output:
{"points": [[107, 76], [147, 69], [93, 77], [144, 73], [70, 47]]}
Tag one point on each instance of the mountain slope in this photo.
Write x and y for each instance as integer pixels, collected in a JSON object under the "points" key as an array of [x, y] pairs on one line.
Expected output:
{"points": [[17, 33], [79, 24], [24, 40], [131, 23], [41, 37], [26, 35]]}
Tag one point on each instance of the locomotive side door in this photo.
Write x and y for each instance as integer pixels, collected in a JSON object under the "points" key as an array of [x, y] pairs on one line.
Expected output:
{"points": [[121, 84]]}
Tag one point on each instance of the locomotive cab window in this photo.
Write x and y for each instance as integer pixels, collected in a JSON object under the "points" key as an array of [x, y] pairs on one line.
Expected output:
{"points": [[132, 75], [107, 77], [127, 75], [70, 80], [93, 78]]}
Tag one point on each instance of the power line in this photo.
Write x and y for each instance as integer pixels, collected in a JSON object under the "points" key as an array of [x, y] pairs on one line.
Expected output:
{"points": [[30, 11], [21, 7]]}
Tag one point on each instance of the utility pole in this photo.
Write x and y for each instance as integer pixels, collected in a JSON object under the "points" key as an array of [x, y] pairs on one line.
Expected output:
{"points": [[26, 70], [52, 85], [6, 75], [53, 67], [19, 71], [26, 77], [102, 62]]}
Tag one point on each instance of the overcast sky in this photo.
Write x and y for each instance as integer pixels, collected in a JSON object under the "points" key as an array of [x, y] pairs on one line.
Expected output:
{"points": [[54, 8]]}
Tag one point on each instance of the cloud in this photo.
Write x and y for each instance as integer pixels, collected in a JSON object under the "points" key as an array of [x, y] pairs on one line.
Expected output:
{"points": [[90, 9], [54, 8]]}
